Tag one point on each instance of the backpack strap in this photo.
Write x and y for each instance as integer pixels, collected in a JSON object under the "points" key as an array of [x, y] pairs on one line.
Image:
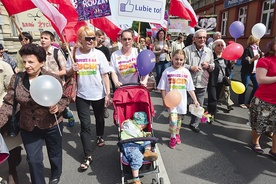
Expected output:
{"points": [[56, 57]]}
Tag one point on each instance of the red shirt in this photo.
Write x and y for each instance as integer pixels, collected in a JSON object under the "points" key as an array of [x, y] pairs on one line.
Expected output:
{"points": [[267, 92]]}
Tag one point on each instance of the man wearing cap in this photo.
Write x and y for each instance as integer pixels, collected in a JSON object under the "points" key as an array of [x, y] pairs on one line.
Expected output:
{"points": [[136, 152]]}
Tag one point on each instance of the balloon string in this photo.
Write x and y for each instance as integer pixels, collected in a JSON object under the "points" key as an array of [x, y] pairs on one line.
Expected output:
{"points": [[58, 125]]}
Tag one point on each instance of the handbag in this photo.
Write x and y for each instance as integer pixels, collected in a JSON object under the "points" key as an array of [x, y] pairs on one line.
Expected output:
{"points": [[151, 84], [11, 128], [70, 86], [4, 152], [225, 80]]}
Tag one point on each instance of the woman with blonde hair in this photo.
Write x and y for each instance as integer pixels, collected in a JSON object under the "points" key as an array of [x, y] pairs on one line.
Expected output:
{"points": [[93, 89], [248, 71]]}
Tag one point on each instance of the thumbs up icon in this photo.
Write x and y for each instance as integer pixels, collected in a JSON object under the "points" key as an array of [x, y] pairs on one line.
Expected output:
{"points": [[126, 7]]}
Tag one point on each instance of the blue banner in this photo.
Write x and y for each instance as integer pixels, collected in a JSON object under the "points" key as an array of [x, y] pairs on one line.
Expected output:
{"points": [[231, 3]]}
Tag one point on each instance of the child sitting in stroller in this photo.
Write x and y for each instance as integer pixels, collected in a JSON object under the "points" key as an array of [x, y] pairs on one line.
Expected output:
{"points": [[136, 152]]}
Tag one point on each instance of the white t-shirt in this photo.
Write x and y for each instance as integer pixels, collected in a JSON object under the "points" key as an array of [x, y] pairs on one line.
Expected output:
{"points": [[91, 66], [125, 66], [177, 79]]}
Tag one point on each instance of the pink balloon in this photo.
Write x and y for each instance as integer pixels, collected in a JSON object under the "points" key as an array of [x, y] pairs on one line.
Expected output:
{"points": [[233, 51], [172, 98]]}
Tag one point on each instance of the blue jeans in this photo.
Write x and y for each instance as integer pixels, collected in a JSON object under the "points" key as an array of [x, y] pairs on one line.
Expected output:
{"points": [[245, 80], [160, 67], [134, 154], [83, 109], [33, 142], [199, 92]]}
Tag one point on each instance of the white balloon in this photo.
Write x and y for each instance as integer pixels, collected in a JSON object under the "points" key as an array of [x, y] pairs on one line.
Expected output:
{"points": [[190, 30], [258, 30], [46, 90]]}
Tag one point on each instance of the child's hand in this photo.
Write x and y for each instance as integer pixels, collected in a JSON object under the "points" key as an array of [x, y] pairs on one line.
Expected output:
{"points": [[148, 134], [197, 104]]}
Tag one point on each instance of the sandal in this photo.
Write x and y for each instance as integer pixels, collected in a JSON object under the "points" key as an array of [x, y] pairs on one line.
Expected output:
{"points": [[100, 141], [86, 163], [243, 106], [257, 148]]}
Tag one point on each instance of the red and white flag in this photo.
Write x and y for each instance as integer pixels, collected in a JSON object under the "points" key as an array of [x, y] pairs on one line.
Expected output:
{"points": [[183, 9], [108, 25], [16, 6]]}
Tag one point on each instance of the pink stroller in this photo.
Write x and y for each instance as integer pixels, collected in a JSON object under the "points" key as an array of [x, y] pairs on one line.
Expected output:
{"points": [[127, 100]]}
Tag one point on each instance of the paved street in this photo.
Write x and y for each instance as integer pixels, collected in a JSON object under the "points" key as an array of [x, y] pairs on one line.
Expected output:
{"points": [[218, 154]]}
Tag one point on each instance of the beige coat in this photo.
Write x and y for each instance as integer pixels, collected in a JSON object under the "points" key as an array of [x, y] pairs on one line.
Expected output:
{"points": [[157, 50]]}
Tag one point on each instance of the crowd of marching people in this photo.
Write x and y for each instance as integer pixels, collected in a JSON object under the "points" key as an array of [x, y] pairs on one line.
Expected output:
{"points": [[191, 66]]}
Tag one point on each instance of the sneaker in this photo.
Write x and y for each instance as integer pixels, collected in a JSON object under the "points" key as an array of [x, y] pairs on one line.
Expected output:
{"points": [[173, 143], [71, 122], [150, 156], [178, 140], [106, 114]]}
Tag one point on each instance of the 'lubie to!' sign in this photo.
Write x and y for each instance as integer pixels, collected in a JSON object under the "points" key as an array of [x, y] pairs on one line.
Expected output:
{"points": [[141, 10]]}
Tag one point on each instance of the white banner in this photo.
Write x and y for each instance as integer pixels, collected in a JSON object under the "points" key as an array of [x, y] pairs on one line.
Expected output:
{"points": [[141, 10]]}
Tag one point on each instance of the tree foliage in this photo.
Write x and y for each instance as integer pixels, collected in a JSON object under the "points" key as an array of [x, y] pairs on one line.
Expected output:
{"points": [[143, 26]]}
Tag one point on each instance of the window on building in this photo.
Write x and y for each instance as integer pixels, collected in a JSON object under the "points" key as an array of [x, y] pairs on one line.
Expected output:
{"points": [[242, 14], [224, 17], [267, 14]]}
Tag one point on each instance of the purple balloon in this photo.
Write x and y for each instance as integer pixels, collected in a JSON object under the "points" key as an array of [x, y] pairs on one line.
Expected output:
{"points": [[236, 29], [145, 62]]}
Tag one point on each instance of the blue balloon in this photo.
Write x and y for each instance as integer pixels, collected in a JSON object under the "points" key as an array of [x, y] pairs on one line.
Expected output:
{"points": [[145, 62], [236, 29]]}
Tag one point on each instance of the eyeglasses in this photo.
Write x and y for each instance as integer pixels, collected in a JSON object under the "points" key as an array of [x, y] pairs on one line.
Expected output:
{"points": [[89, 38], [127, 39], [26, 39], [201, 37], [220, 45]]}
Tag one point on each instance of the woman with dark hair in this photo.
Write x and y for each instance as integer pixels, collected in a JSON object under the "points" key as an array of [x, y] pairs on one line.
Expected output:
{"points": [[37, 123], [263, 105], [93, 90], [189, 40], [123, 62], [162, 50]]}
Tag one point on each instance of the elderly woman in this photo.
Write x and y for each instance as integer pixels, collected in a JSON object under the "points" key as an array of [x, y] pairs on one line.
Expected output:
{"points": [[123, 62], [93, 90], [161, 49], [263, 105], [248, 71], [215, 84], [37, 123]]}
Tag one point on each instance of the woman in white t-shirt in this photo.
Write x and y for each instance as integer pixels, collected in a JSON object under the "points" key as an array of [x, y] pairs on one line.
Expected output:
{"points": [[92, 70], [123, 62]]}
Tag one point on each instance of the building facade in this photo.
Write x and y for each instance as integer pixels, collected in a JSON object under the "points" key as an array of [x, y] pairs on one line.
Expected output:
{"points": [[249, 12]]}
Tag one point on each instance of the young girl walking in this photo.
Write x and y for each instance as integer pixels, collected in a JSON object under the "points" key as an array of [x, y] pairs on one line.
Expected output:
{"points": [[177, 77]]}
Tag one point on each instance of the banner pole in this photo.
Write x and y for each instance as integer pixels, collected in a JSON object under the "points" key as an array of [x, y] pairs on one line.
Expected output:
{"points": [[67, 48], [139, 27]]}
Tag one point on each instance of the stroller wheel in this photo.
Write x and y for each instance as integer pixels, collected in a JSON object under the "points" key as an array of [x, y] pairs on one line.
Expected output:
{"points": [[161, 180]]}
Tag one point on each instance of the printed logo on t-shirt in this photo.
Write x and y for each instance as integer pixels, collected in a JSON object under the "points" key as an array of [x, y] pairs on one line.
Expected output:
{"points": [[177, 81], [126, 67], [87, 66]]}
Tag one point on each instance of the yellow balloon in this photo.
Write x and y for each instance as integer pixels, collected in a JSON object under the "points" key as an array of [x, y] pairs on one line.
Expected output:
{"points": [[237, 87]]}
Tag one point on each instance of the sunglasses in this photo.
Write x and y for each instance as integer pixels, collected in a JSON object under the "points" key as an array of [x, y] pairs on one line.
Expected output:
{"points": [[89, 38], [201, 37], [26, 39], [219, 45]]}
